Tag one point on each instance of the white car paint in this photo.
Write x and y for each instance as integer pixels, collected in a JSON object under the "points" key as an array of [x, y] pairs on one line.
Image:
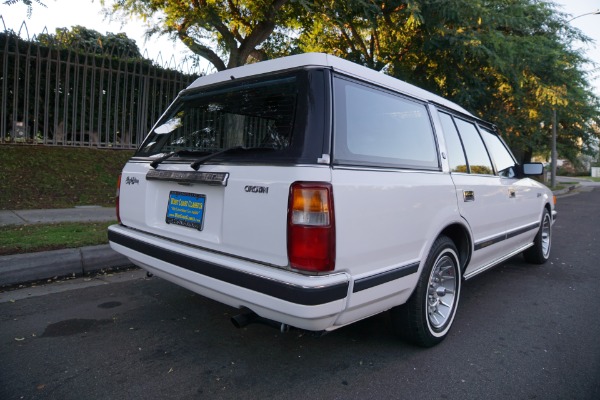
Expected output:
{"points": [[386, 220]]}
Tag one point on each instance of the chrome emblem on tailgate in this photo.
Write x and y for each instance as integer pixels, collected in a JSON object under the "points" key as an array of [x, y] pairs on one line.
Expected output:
{"points": [[131, 180], [256, 189]]}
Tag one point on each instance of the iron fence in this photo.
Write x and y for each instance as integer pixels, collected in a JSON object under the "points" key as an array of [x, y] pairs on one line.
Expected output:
{"points": [[58, 96]]}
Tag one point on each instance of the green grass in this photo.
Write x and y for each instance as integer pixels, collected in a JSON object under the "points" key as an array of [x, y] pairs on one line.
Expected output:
{"points": [[37, 177], [589, 178], [558, 187], [32, 238]]}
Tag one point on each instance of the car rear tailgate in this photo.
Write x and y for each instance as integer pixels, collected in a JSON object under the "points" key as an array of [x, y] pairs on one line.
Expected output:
{"points": [[236, 213]]}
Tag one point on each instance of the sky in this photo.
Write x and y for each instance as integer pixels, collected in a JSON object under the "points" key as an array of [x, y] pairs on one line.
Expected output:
{"points": [[88, 13], [66, 13]]}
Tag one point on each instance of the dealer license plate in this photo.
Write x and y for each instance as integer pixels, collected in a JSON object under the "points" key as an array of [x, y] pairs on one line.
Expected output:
{"points": [[186, 209]]}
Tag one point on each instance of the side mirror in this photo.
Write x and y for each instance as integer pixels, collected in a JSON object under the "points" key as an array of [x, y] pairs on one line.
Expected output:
{"points": [[533, 169]]}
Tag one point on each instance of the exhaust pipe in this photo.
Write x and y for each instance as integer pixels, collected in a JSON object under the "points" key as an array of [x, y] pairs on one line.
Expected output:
{"points": [[244, 319], [249, 317]]}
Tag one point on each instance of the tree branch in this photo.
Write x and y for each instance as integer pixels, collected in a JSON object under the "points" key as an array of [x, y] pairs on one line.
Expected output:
{"points": [[202, 50], [236, 10], [361, 43], [259, 34], [348, 39], [228, 37]]}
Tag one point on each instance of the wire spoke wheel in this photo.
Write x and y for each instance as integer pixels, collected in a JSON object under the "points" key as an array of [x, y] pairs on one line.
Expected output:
{"points": [[441, 298], [546, 235], [539, 252], [425, 319]]}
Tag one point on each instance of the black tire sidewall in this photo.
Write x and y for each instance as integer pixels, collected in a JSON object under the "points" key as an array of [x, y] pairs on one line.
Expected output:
{"points": [[535, 254], [545, 257]]}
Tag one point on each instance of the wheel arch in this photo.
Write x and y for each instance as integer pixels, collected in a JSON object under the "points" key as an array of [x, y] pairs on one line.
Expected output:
{"points": [[459, 234], [548, 207]]}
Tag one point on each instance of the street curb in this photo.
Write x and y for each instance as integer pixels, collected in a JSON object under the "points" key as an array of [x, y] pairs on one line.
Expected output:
{"points": [[566, 190], [22, 268]]}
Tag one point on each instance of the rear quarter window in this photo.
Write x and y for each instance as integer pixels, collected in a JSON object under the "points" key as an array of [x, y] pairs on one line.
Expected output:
{"points": [[456, 155], [378, 128], [502, 157], [477, 156]]}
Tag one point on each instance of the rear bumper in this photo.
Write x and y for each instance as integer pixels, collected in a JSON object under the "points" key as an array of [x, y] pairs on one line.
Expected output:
{"points": [[306, 302]]}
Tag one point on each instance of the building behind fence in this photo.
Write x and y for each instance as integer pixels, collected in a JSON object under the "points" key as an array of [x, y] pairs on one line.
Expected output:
{"points": [[56, 96]]}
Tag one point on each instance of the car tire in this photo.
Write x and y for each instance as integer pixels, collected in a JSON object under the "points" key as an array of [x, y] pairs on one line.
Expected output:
{"points": [[539, 253], [426, 318]]}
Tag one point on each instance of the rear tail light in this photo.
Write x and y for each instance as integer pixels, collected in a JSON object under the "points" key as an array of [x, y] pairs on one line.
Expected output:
{"points": [[117, 199], [311, 227]]}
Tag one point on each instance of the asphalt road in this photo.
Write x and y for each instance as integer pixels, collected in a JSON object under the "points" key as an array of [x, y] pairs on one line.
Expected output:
{"points": [[521, 332]]}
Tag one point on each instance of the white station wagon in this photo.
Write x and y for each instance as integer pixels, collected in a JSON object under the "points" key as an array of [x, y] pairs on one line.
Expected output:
{"points": [[312, 192]]}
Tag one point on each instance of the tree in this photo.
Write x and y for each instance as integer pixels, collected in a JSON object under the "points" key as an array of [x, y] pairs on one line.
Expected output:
{"points": [[226, 33], [91, 42], [28, 3]]}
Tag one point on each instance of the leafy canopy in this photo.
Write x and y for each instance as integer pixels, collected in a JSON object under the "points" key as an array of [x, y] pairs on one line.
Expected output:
{"points": [[90, 41], [226, 33]]}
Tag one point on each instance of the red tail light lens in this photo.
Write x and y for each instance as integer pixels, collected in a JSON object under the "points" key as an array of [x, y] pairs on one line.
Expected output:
{"points": [[311, 227], [117, 199]]}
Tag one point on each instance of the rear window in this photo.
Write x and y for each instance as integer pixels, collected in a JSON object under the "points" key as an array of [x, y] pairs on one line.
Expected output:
{"points": [[266, 114], [378, 128]]}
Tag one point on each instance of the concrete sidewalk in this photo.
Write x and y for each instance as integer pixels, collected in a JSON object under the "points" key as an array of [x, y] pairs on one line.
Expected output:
{"points": [[21, 268], [77, 214]]}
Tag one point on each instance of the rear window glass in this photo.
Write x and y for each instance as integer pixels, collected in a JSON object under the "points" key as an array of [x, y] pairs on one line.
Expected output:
{"points": [[259, 114], [379, 128]]}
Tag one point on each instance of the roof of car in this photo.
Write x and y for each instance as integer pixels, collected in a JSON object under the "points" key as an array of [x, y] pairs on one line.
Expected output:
{"points": [[328, 61]]}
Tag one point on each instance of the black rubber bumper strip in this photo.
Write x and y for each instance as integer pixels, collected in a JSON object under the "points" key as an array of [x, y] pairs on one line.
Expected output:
{"points": [[379, 279], [505, 236], [308, 296]]}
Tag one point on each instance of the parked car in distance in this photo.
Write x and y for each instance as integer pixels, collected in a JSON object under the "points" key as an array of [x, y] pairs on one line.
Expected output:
{"points": [[312, 192]]}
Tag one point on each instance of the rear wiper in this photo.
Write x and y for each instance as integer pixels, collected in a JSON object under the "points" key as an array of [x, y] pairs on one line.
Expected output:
{"points": [[155, 163], [196, 164]]}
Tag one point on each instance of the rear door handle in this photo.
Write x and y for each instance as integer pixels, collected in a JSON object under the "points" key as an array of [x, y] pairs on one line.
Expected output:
{"points": [[468, 195], [512, 193]]}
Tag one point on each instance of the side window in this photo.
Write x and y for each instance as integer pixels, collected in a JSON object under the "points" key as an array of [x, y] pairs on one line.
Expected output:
{"points": [[477, 156], [378, 128], [456, 155], [502, 157]]}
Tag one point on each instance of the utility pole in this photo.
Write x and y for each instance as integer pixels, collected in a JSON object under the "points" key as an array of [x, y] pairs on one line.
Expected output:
{"points": [[553, 173], [597, 12]]}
